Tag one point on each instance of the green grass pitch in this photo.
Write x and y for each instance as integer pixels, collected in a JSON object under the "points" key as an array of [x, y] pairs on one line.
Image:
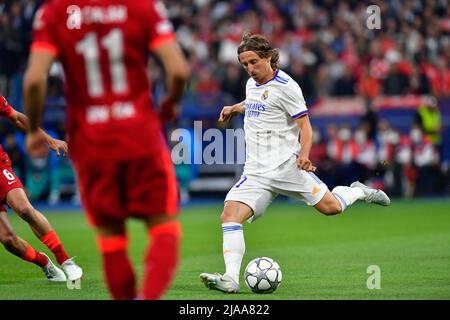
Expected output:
{"points": [[320, 257]]}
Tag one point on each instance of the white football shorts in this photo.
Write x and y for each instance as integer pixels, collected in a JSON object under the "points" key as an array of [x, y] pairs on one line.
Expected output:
{"points": [[259, 191]]}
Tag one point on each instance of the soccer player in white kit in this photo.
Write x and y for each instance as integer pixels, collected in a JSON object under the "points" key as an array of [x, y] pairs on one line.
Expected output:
{"points": [[278, 138]]}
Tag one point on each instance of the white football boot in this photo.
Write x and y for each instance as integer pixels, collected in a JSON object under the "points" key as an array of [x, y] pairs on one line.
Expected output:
{"points": [[52, 272], [74, 274], [372, 195], [218, 282]]}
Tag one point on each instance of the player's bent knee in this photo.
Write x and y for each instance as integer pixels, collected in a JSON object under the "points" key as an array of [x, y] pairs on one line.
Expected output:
{"points": [[228, 216], [232, 216], [329, 208], [332, 210], [325, 210], [329, 205], [234, 211]]}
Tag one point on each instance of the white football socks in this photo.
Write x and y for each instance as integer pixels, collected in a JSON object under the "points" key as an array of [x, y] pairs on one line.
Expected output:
{"points": [[347, 195], [233, 248]]}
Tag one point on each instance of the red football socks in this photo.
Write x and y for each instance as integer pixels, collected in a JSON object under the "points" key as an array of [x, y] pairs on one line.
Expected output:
{"points": [[118, 271], [32, 255], [161, 259], [52, 242]]}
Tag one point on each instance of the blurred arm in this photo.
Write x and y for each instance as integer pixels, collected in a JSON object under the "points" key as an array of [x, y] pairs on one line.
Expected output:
{"points": [[35, 87], [177, 74], [21, 121], [34, 92]]}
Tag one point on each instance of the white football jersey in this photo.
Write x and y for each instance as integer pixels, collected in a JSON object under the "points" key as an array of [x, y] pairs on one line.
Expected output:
{"points": [[271, 133]]}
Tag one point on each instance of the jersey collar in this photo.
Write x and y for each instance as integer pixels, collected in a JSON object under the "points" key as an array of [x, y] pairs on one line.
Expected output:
{"points": [[276, 75]]}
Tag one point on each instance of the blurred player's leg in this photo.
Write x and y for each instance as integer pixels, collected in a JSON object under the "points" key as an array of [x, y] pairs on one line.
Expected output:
{"points": [[18, 246], [39, 224], [119, 274], [23, 250], [18, 201], [51, 240], [161, 259], [52, 272]]}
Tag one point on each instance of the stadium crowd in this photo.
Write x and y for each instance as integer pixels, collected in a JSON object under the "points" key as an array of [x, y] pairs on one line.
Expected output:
{"points": [[324, 45], [404, 165]]}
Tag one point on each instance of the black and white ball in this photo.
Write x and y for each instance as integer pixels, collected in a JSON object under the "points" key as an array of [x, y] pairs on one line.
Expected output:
{"points": [[262, 275]]}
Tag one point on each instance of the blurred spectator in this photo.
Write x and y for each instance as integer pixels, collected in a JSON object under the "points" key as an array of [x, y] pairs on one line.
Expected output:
{"points": [[62, 182], [304, 77], [425, 160], [343, 150], [369, 120], [428, 118], [419, 83], [396, 81], [368, 86], [234, 80], [404, 173], [329, 166], [37, 178], [11, 47], [207, 88], [366, 153], [387, 139], [318, 153], [346, 84], [438, 75]]}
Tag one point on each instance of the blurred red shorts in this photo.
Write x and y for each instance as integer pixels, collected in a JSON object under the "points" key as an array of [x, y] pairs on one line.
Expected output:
{"points": [[112, 191]]}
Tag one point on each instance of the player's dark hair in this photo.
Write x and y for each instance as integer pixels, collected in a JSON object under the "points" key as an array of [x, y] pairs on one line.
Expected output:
{"points": [[261, 46]]}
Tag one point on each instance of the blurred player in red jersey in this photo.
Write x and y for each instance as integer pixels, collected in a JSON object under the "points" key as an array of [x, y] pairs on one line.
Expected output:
{"points": [[13, 194], [115, 140]]}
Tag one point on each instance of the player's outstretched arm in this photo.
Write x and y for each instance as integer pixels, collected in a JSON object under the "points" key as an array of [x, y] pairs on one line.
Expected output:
{"points": [[21, 121], [303, 161], [229, 111]]}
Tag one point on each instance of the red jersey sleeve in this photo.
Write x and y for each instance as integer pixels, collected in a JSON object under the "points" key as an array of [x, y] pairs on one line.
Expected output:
{"points": [[5, 109], [161, 29], [43, 31]]}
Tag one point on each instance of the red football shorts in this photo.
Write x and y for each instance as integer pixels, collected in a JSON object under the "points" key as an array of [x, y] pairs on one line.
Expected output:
{"points": [[8, 181], [114, 190]]}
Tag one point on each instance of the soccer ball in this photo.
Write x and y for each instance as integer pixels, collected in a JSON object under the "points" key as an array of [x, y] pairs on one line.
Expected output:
{"points": [[262, 275]]}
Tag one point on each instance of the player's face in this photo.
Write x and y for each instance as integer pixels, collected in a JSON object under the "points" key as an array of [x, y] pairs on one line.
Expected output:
{"points": [[258, 68]]}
